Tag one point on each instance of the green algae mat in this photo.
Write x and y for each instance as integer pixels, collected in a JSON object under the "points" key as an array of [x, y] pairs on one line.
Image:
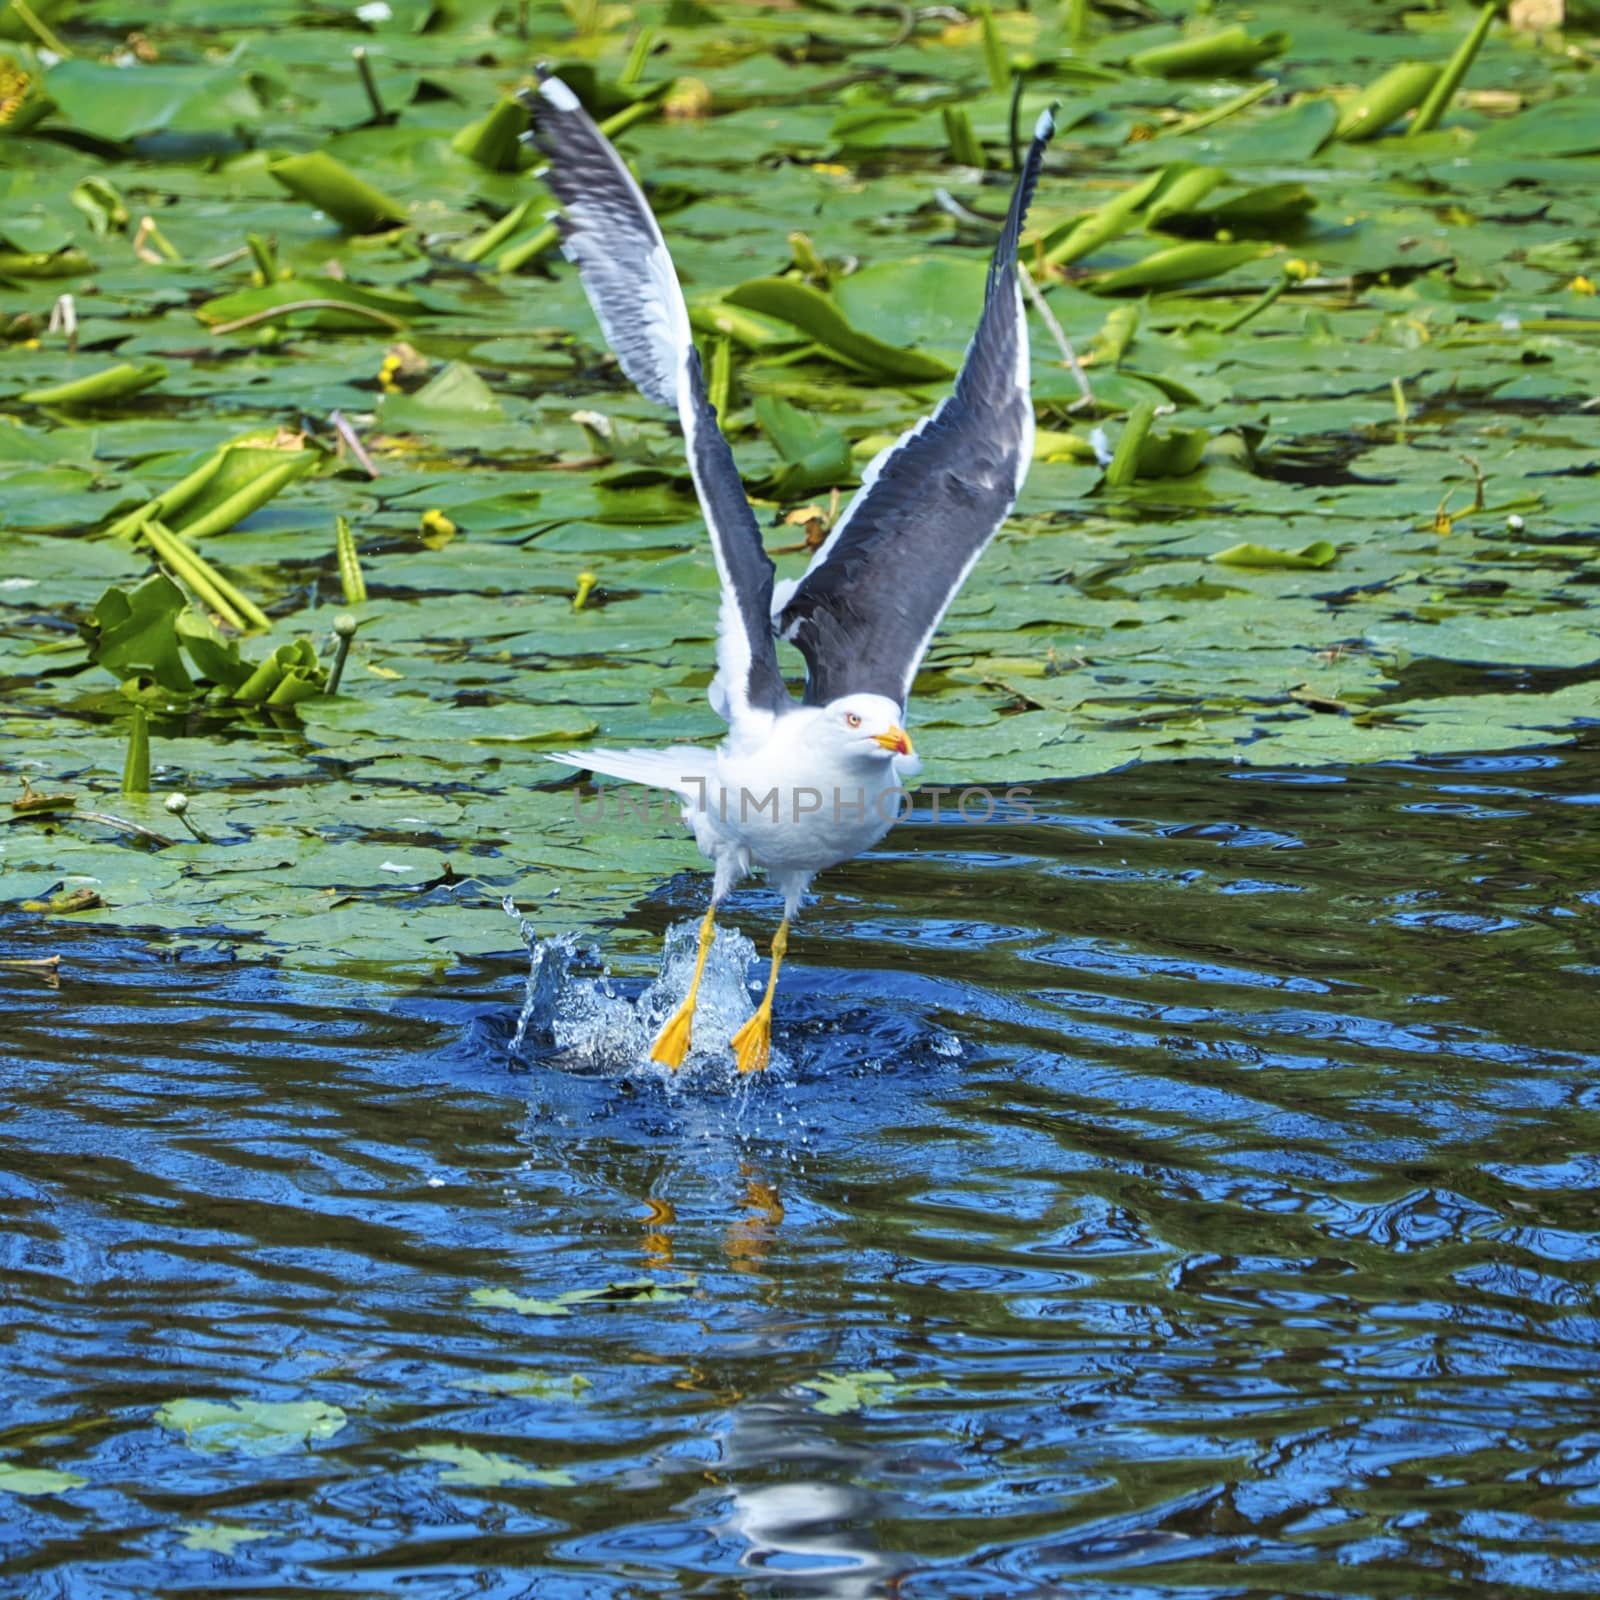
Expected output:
{"points": [[287, 339]]}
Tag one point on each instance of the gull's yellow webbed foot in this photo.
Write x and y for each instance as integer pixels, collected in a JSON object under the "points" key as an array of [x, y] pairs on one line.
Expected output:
{"points": [[672, 1043], [752, 1044]]}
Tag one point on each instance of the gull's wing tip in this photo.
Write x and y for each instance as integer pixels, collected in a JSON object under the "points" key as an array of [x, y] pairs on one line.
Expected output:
{"points": [[550, 89]]}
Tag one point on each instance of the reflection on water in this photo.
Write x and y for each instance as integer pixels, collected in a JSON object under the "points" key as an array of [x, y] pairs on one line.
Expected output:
{"points": [[1189, 1192]]}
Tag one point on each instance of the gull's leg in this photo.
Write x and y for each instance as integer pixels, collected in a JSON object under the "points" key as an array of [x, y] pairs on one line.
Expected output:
{"points": [[672, 1043], [752, 1044]]}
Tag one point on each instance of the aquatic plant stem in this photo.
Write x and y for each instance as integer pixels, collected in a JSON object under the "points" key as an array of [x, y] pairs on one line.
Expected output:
{"points": [[232, 604], [1014, 121], [1206, 119], [138, 829], [344, 627], [369, 84], [273, 312], [1450, 80], [1048, 317], [351, 578], [169, 500], [136, 767], [24, 14], [1268, 295], [45, 966]]}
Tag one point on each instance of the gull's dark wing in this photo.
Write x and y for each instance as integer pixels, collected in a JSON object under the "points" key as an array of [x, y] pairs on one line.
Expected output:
{"points": [[609, 233], [869, 602]]}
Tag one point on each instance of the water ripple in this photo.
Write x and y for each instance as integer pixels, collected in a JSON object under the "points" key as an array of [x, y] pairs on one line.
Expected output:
{"points": [[1189, 1191]]}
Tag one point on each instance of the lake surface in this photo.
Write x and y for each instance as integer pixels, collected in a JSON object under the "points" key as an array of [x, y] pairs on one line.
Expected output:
{"points": [[1190, 1191]]}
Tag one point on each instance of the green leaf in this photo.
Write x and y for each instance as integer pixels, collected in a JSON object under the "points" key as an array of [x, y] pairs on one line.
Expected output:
{"points": [[1294, 133], [1174, 265], [99, 388], [215, 657], [223, 1538], [817, 456], [641, 1291], [117, 103], [326, 183], [495, 141], [481, 1469], [1123, 466], [1225, 53], [37, 1480], [1387, 100], [1564, 127], [530, 1384], [133, 634], [844, 1392], [1314, 556], [289, 676], [136, 769], [409, 716], [820, 319], [1271, 211], [251, 1427], [327, 303], [456, 391], [931, 302]]}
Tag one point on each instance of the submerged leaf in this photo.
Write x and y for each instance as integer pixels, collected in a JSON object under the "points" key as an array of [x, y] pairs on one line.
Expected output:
{"points": [[480, 1469], [639, 1291], [844, 1392], [37, 1480], [533, 1385], [221, 1537], [252, 1427]]}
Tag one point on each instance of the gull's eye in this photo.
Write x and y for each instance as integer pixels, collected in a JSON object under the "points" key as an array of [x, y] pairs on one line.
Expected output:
{"points": [[852, 720]]}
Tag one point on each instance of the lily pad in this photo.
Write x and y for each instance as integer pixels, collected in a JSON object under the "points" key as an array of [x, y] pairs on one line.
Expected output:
{"points": [[484, 1469], [843, 1392], [820, 319], [223, 1538], [30, 1481], [1314, 556], [251, 1427], [641, 1291]]}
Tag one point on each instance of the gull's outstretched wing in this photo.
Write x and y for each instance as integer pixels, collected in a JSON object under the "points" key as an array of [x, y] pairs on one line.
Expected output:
{"points": [[608, 232], [869, 602]]}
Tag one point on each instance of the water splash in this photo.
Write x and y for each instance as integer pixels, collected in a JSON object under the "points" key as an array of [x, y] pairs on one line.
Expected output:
{"points": [[576, 1016]]}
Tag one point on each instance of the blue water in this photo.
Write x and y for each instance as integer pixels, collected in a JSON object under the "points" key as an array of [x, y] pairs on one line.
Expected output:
{"points": [[1202, 1176]]}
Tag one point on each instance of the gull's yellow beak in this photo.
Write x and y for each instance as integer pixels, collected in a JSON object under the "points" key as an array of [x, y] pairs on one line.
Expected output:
{"points": [[895, 739]]}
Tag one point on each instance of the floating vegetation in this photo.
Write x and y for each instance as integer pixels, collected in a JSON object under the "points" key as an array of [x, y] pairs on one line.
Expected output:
{"points": [[256, 285]]}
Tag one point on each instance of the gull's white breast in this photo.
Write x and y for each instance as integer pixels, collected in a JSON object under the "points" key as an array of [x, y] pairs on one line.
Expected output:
{"points": [[794, 808]]}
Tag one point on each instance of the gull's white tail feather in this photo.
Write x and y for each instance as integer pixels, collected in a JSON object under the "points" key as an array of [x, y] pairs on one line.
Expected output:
{"points": [[682, 768]]}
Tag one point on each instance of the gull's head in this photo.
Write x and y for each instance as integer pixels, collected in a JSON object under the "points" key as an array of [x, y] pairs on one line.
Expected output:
{"points": [[867, 726]]}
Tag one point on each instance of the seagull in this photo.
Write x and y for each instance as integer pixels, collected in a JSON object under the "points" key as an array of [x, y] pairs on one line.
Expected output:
{"points": [[796, 787]]}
